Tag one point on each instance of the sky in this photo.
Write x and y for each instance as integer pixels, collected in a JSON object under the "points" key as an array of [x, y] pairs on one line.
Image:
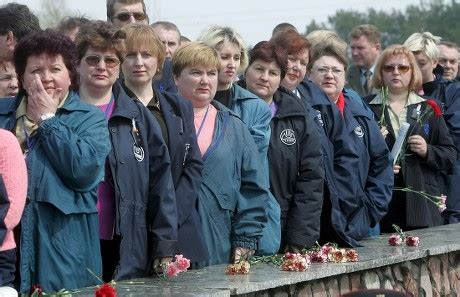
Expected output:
{"points": [[253, 19]]}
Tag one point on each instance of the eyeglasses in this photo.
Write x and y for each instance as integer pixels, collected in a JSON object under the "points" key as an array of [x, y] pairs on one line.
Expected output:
{"points": [[325, 70], [125, 16], [93, 60], [391, 68]]}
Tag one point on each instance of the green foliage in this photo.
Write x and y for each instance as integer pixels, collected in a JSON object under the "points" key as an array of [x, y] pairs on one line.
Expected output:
{"points": [[439, 17]]}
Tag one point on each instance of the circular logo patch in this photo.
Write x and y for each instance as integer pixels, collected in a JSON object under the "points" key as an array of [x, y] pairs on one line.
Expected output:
{"points": [[359, 131], [287, 137], [138, 153]]}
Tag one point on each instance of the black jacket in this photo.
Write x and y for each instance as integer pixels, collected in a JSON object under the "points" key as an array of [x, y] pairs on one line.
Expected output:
{"points": [[421, 174], [296, 170]]}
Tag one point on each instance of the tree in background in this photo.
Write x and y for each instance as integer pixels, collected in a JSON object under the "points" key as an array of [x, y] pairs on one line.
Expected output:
{"points": [[52, 12], [436, 16]]}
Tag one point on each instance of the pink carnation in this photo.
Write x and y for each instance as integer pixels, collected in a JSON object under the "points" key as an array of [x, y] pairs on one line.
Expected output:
{"points": [[172, 270], [395, 239], [318, 257], [182, 263], [412, 241]]}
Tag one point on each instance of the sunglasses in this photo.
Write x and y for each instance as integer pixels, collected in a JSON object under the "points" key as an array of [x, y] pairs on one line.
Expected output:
{"points": [[391, 68], [93, 60], [125, 16]]}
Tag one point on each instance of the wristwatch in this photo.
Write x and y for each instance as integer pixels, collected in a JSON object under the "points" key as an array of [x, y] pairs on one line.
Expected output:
{"points": [[46, 116]]}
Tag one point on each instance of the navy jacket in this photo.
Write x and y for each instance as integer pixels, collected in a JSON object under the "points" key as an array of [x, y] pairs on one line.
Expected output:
{"points": [[448, 93], [146, 216], [296, 170], [375, 169], [186, 166], [340, 158], [166, 81]]}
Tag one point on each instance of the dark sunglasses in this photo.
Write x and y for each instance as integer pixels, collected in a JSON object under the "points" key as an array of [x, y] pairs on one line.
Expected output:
{"points": [[93, 60], [391, 68], [125, 16]]}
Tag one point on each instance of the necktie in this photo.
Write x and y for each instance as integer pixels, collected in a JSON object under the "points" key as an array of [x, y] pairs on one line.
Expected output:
{"points": [[367, 82]]}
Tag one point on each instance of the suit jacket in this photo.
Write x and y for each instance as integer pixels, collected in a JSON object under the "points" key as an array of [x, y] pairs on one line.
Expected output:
{"points": [[353, 81]]}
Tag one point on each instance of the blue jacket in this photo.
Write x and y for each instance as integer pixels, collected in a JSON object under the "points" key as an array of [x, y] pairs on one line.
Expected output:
{"points": [[375, 169], [255, 113], [146, 216], [448, 93], [340, 158], [166, 81], [232, 198], [59, 227]]}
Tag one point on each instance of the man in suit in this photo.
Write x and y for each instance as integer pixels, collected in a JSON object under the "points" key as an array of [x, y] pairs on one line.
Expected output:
{"points": [[448, 59], [365, 48]]}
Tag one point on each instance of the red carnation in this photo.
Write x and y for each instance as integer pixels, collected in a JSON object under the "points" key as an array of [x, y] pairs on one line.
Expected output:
{"points": [[106, 290], [352, 256], [36, 290], [436, 109], [412, 241], [395, 239]]}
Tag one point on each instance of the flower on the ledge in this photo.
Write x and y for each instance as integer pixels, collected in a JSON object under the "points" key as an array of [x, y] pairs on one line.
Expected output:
{"points": [[395, 239], [318, 256], [106, 290], [327, 248], [338, 256], [442, 203], [36, 290], [352, 256], [412, 241], [179, 265], [435, 107], [241, 267], [295, 262]]}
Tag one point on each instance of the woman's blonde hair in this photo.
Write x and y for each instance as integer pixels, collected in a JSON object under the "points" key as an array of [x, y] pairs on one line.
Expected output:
{"points": [[141, 36], [194, 54], [424, 43], [397, 50], [216, 36]]}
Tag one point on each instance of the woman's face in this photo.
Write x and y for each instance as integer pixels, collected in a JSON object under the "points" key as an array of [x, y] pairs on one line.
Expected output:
{"points": [[198, 84], [139, 67], [426, 66], [52, 71], [263, 78], [8, 80], [328, 73], [297, 68], [397, 74], [99, 69], [230, 60]]}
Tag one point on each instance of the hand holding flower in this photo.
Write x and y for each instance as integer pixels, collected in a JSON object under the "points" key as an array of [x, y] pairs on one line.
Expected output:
{"points": [[384, 131], [396, 169], [418, 145], [159, 263], [241, 253]]}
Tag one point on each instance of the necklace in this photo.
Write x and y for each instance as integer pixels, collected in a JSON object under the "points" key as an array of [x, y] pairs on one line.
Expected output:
{"points": [[202, 123]]}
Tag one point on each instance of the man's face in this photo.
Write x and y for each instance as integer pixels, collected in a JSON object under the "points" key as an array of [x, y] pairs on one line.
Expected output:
{"points": [[170, 39], [128, 13], [363, 52], [448, 59]]}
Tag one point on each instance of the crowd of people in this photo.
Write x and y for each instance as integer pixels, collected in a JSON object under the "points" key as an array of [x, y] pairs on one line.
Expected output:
{"points": [[123, 144]]}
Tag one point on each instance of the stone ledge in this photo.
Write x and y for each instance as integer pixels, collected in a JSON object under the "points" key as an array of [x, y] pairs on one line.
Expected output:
{"points": [[376, 253]]}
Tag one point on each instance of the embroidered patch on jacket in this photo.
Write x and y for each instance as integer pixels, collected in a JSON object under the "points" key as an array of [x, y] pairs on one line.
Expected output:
{"points": [[287, 137], [359, 131], [138, 153]]}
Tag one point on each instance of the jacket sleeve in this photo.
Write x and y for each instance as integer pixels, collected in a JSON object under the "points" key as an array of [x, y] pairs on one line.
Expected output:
{"points": [[188, 185], [452, 112], [380, 176], [77, 154], [13, 183], [250, 215], [303, 220], [161, 204], [441, 155]]}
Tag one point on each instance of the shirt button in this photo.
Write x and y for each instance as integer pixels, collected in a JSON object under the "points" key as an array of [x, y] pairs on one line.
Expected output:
{"points": [[122, 161], [113, 130]]}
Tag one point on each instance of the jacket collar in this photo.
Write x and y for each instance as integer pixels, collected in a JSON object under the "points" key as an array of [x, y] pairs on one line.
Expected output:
{"points": [[124, 105], [287, 103], [241, 94], [352, 104], [312, 93]]}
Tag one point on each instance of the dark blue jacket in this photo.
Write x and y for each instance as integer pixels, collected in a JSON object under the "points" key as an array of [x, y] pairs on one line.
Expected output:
{"points": [[448, 93], [375, 169], [146, 216], [340, 158], [186, 166], [166, 81]]}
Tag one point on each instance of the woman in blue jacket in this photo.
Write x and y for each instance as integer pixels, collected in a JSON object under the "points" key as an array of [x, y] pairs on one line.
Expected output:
{"points": [[65, 142], [250, 109], [375, 171], [144, 57], [232, 198], [136, 201]]}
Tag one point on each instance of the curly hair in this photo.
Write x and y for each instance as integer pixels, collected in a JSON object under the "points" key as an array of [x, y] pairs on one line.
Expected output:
{"points": [[269, 52], [100, 35], [47, 42]]}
